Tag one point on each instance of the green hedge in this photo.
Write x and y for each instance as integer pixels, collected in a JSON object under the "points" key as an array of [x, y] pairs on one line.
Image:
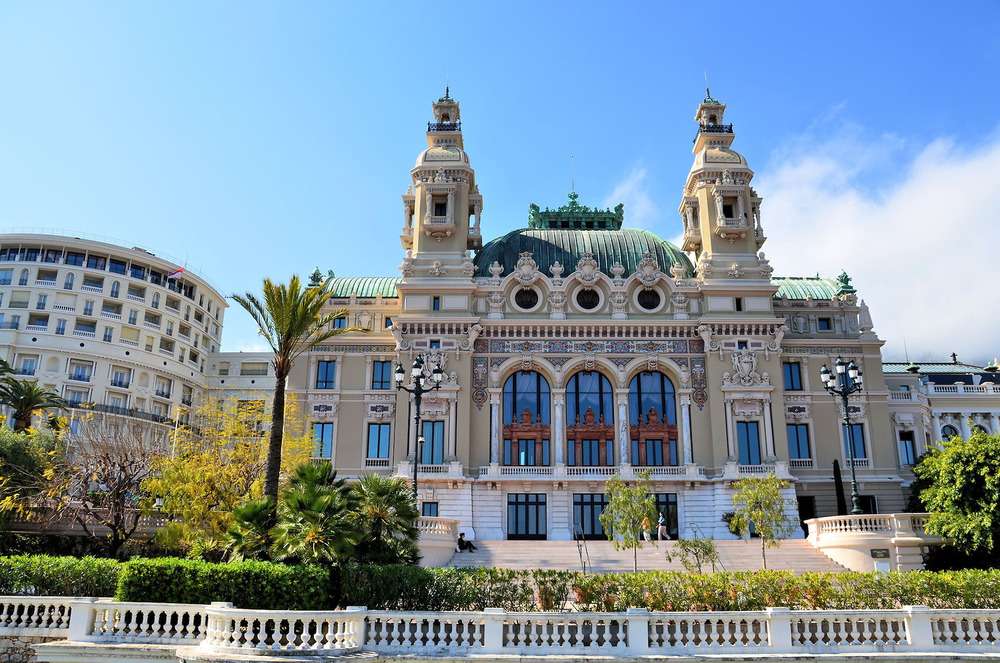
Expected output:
{"points": [[255, 585], [277, 586], [43, 575]]}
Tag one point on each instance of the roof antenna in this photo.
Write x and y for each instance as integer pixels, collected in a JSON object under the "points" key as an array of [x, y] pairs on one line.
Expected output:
{"points": [[708, 93], [572, 174], [906, 351]]}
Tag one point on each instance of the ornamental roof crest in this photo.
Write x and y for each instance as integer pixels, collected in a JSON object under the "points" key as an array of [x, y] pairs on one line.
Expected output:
{"points": [[574, 216], [526, 268], [647, 270]]}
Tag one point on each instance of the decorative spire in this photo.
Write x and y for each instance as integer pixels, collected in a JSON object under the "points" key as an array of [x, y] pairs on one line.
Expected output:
{"points": [[575, 216], [993, 367], [316, 278], [447, 96]]}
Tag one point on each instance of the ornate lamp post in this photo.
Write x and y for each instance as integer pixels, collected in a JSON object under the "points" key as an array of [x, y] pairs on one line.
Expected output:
{"points": [[846, 379], [418, 387]]}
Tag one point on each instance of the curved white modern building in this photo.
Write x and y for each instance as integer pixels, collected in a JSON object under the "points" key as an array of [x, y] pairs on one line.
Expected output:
{"points": [[118, 328]]}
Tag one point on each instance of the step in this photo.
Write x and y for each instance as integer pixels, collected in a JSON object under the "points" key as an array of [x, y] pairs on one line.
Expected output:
{"points": [[794, 555]]}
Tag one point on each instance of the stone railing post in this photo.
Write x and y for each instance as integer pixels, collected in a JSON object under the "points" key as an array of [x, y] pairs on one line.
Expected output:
{"points": [[638, 632], [779, 629], [355, 635], [493, 630], [81, 619], [918, 628]]}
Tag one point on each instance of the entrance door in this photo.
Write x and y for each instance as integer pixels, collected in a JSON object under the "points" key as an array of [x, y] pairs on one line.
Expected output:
{"points": [[587, 509], [526, 516], [807, 510], [666, 504]]}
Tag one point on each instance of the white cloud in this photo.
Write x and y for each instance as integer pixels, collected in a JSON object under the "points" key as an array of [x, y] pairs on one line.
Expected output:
{"points": [[253, 346], [640, 210], [917, 229]]}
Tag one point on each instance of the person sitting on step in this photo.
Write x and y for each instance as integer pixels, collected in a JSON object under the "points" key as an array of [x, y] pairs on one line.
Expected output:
{"points": [[463, 545]]}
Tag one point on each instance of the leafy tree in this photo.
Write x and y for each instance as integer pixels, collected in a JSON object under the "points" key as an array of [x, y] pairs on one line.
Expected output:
{"points": [[316, 517], [760, 505], [694, 554], [25, 397], [961, 490], [217, 464], [386, 516], [26, 460], [627, 506], [290, 318]]}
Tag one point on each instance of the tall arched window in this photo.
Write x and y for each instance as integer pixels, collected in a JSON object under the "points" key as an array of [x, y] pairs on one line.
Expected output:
{"points": [[526, 410], [652, 415], [590, 421]]}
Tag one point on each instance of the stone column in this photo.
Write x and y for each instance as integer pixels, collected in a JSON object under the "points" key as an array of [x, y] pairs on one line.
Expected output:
{"points": [[411, 428], [730, 431], [494, 425], [768, 430], [687, 448], [936, 427], [622, 427], [964, 422], [559, 425], [453, 428]]}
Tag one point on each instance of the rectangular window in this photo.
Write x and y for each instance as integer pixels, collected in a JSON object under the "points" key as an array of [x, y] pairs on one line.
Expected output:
{"points": [[654, 453], [793, 375], [107, 334], [857, 433], [379, 436], [388, 322], [381, 375], [798, 441], [116, 266], [434, 344], [322, 439], [432, 450], [429, 509], [666, 506], [436, 303], [6, 275], [739, 304], [824, 324], [440, 208], [326, 375], [590, 453], [60, 327], [73, 258], [137, 272], [907, 448], [526, 452], [96, 262], [748, 439], [340, 323]]}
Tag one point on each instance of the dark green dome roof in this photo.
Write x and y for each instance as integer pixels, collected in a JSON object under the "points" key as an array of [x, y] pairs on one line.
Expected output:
{"points": [[626, 246]]}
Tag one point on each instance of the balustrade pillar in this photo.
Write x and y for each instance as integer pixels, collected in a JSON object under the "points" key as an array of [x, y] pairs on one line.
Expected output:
{"points": [[936, 427], [768, 431], [964, 422]]}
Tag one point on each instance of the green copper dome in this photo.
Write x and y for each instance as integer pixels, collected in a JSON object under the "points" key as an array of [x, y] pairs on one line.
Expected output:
{"points": [[626, 246]]}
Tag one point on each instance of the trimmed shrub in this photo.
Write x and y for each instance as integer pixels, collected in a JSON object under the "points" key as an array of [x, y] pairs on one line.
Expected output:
{"points": [[399, 587], [251, 584], [44, 575]]}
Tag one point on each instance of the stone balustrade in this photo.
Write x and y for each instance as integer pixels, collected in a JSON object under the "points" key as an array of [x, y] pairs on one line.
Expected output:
{"points": [[225, 630], [436, 540], [897, 539]]}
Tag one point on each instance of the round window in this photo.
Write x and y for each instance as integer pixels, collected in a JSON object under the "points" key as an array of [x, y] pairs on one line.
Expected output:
{"points": [[526, 298], [649, 299], [588, 299]]}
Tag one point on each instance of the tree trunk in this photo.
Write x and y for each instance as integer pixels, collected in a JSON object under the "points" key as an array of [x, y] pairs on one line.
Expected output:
{"points": [[21, 422], [635, 559], [763, 552], [273, 468]]}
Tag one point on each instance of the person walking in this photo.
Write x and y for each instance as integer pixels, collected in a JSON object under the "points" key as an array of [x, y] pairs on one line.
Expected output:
{"points": [[646, 533], [661, 528]]}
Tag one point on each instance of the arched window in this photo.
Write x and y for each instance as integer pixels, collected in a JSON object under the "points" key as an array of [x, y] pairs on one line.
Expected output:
{"points": [[526, 410], [976, 428], [68, 283], [115, 287], [948, 431], [24, 277], [652, 419], [590, 430]]}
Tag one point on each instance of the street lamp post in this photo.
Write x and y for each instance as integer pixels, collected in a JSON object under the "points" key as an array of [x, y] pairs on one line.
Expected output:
{"points": [[844, 380], [418, 387]]}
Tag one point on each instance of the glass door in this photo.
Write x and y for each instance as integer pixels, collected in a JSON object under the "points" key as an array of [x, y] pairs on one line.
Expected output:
{"points": [[587, 509], [526, 516]]}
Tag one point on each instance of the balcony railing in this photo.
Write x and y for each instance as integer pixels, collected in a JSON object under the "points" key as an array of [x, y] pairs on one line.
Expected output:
{"points": [[24, 370], [36, 328], [121, 384], [123, 411], [800, 463], [444, 126], [45, 283], [84, 333], [64, 308], [80, 376], [92, 288], [111, 315], [136, 298], [162, 393]]}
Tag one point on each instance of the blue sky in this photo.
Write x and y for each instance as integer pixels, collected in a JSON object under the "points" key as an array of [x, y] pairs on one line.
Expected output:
{"points": [[268, 138]]}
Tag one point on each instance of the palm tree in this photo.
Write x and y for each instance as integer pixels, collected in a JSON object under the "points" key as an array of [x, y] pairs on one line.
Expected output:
{"points": [[291, 319], [25, 397], [248, 533], [316, 517], [386, 516]]}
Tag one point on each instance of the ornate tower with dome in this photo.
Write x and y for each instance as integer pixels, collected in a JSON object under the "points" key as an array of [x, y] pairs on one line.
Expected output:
{"points": [[575, 348]]}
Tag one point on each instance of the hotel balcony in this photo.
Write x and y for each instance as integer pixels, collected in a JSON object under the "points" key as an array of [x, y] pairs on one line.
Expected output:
{"points": [[446, 126], [736, 471], [590, 472], [713, 129]]}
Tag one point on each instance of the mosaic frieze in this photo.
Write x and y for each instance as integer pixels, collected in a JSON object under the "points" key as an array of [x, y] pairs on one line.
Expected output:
{"points": [[355, 349], [560, 346]]}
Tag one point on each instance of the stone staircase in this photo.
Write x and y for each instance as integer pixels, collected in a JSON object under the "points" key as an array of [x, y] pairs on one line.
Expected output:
{"points": [[792, 555]]}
